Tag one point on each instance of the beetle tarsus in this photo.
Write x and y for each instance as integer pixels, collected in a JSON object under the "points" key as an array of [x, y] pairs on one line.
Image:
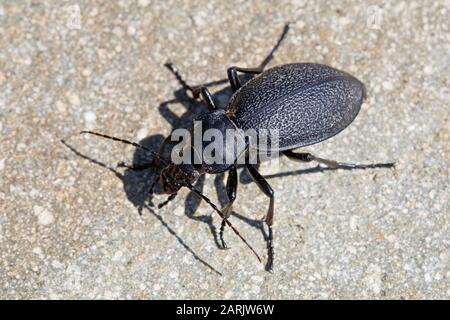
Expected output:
{"points": [[270, 251], [308, 157], [222, 241]]}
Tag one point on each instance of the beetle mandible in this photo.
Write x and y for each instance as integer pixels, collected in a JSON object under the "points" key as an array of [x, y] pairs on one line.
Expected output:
{"points": [[306, 102]]}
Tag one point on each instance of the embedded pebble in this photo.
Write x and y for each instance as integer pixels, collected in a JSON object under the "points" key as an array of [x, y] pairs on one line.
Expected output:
{"points": [[73, 98], [44, 215], [143, 3], [89, 117], [2, 78], [141, 134]]}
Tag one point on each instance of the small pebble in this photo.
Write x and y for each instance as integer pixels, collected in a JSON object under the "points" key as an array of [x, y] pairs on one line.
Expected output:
{"points": [[143, 3], [45, 217], [89, 117]]}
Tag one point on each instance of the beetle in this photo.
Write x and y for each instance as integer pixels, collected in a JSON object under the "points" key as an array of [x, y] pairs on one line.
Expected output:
{"points": [[305, 102]]}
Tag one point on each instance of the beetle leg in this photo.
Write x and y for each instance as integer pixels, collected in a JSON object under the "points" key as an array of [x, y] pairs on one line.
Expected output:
{"points": [[195, 90], [233, 77], [206, 95], [308, 157], [231, 189], [268, 191]]}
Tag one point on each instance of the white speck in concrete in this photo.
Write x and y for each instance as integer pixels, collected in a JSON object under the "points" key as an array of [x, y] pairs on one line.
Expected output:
{"points": [[38, 251], [54, 296], [2, 164], [270, 167], [73, 98], [93, 12], [117, 256], [345, 21], [156, 287], [60, 106], [354, 223], [387, 85], [56, 264], [90, 117], [86, 221], [256, 289], [257, 279], [352, 250], [86, 72], [118, 31], [108, 295], [143, 3], [21, 146], [141, 134], [45, 217], [131, 30], [428, 70], [179, 211], [2, 78], [373, 278]]}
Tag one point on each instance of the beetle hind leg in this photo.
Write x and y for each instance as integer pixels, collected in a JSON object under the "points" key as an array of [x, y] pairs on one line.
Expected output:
{"points": [[231, 189], [308, 157], [268, 191]]}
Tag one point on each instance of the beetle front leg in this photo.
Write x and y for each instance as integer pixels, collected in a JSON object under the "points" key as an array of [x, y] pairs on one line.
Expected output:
{"points": [[196, 91], [308, 157], [268, 191], [231, 189]]}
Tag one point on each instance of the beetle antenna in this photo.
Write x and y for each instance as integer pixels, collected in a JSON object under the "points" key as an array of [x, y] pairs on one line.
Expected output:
{"points": [[280, 40], [134, 144], [176, 73], [191, 187]]}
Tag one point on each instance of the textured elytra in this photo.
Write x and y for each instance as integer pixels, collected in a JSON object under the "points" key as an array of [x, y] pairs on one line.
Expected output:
{"points": [[306, 102]]}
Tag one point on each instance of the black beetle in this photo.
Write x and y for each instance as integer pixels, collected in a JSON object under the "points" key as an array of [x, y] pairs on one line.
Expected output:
{"points": [[306, 102]]}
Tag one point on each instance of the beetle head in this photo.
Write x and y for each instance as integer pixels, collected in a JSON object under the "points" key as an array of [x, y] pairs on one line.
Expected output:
{"points": [[175, 176]]}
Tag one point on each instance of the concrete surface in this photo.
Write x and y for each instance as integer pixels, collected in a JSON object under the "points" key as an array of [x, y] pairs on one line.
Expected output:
{"points": [[70, 223]]}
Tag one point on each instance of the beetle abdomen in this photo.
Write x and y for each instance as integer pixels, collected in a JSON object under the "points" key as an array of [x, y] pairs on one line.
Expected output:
{"points": [[307, 103]]}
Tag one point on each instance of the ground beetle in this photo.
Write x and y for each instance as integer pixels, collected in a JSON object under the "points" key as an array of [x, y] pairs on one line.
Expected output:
{"points": [[306, 102]]}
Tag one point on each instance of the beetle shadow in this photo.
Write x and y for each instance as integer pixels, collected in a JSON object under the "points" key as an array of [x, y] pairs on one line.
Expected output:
{"points": [[133, 184]]}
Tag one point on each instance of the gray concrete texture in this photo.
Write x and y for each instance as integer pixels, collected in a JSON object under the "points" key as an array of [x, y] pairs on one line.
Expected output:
{"points": [[75, 226]]}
